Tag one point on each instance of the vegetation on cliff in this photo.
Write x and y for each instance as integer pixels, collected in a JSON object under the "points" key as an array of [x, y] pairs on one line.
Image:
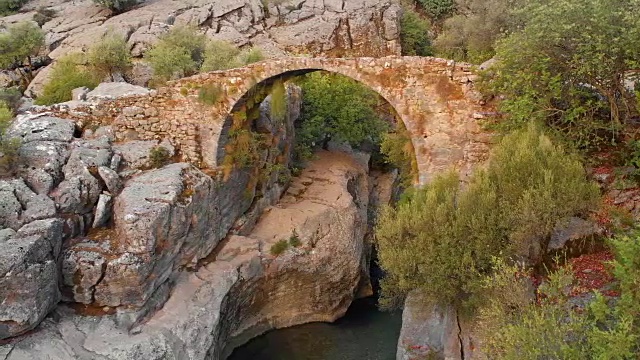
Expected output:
{"points": [[557, 324], [444, 237], [18, 45], [184, 51]]}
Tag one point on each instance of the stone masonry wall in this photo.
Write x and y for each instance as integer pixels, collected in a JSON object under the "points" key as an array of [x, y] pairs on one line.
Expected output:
{"points": [[435, 98]]}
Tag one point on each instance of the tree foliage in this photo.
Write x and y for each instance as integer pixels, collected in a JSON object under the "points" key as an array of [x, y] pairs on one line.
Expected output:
{"points": [[414, 33], [470, 34], [221, 55], [8, 7], [117, 6], [437, 8], [567, 66], [178, 53], [443, 239], [66, 75], [20, 43], [552, 327], [336, 107], [110, 56]]}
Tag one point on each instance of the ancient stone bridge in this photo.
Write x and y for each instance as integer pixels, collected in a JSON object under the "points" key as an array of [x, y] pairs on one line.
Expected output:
{"points": [[435, 98]]}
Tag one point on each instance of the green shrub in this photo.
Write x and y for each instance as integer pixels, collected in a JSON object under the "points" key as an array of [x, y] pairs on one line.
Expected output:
{"points": [[110, 56], [178, 53], [471, 34], [336, 107], [278, 108], [444, 238], [279, 247], [251, 56], [43, 15], [66, 75], [552, 328], [5, 116], [243, 148], [555, 71], [158, 157], [20, 43], [220, 55], [210, 93], [117, 6], [8, 7], [294, 239], [438, 8], [11, 97], [398, 151], [8, 147], [414, 34]]}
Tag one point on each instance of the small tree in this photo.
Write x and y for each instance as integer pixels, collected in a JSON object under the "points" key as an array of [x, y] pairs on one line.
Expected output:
{"points": [[414, 34], [8, 147], [178, 53], [8, 7], [557, 71], [220, 55], [66, 75], [20, 42], [110, 56], [117, 6]]}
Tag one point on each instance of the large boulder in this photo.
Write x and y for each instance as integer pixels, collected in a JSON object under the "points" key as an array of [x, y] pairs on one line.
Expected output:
{"points": [[29, 276], [428, 330]]}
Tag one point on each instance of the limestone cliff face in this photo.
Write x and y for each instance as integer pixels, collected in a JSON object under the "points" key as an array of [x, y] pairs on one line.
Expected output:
{"points": [[242, 290], [316, 27]]}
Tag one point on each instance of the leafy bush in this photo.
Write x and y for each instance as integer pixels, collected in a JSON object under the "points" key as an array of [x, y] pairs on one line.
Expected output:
{"points": [[243, 148], [278, 105], [178, 53], [279, 247], [552, 328], [8, 7], [445, 238], [158, 157], [294, 239], [220, 55], [66, 75], [556, 71], [209, 94], [336, 107], [471, 34], [11, 97], [438, 8], [398, 151], [414, 34], [110, 56], [20, 42], [117, 6], [43, 15], [8, 147], [251, 55]]}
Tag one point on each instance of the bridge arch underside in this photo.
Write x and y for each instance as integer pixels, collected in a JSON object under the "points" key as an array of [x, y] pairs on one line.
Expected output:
{"points": [[434, 98], [251, 100]]}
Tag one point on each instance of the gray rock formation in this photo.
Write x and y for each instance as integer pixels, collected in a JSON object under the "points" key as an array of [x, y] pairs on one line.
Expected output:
{"points": [[428, 330], [334, 28], [29, 276], [216, 307]]}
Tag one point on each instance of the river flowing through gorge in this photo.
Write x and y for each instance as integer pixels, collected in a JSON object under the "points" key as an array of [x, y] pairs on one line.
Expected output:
{"points": [[363, 333]]}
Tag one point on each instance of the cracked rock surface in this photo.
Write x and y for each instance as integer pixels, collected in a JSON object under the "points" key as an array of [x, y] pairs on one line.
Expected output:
{"points": [[317, 27], [244, 290]]}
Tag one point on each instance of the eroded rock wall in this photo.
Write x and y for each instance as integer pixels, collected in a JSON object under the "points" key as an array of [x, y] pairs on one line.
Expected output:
{"points": [[318, 27], [244, 290]]}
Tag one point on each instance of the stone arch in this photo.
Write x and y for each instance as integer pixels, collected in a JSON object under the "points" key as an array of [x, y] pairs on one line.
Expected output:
{"points": [[433, 97]]}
